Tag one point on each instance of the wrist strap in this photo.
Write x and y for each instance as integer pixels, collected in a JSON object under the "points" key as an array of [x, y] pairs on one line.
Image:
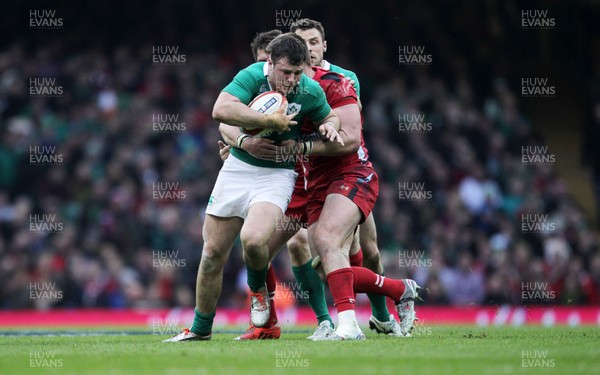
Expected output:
{"points": [[240, 139], [307, 147]]}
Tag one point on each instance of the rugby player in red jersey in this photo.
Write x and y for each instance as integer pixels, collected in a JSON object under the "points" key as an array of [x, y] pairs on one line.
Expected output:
{"points": [[343, 188], [381, 320], [342, 191]]}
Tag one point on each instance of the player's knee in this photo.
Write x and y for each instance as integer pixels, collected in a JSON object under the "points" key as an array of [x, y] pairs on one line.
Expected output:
{"points": [[298, 245], [368, 240], [213, 260], [253, 242], [322, 276], [354, 246], [299, 252], [326, 241], [372, 260]]}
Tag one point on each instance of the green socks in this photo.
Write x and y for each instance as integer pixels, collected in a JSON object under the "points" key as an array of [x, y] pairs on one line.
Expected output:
{"points": [[311, 283], [257, 279], [379, 307], [202, 323]]}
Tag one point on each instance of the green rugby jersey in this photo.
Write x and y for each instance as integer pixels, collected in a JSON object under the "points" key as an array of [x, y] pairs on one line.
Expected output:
{"points": [[347, 73], [307, 98]]}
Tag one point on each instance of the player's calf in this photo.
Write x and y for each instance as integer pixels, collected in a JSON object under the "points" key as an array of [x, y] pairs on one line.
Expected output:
{"points": [[299, 249], [372, 261]]}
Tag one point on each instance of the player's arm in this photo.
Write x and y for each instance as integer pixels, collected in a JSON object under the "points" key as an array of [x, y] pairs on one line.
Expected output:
{"points": [[256, 146], [329, 128], [324, 116], [230, 110], [343, 99], [350, 122], [353, 81], [223, 150], [230, 134]]}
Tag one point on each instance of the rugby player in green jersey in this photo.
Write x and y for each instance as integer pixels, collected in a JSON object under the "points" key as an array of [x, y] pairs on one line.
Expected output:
{"points": [[251, 193]]}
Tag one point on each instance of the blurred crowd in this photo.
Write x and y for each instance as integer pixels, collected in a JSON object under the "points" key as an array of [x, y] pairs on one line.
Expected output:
{"points": [[109, 210], [493, 225]]}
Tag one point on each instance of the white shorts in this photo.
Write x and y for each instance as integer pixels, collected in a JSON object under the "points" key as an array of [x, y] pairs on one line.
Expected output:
{"points": [[239, 185]]}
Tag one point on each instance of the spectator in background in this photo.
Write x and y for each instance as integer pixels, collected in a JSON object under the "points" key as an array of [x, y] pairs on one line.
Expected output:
{"points": [[591, 153], [465, 284]]}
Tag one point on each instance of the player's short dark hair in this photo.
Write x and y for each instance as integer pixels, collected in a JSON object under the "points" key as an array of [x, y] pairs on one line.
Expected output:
{"points": [[291, 47], [307, 24], [261, 40]]}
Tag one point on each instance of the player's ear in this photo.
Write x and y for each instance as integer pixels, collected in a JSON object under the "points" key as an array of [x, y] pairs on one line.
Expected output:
{"points": [[324, 46]]}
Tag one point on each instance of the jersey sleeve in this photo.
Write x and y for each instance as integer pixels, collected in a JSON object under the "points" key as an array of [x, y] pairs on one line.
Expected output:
{"points": [[354, 77], [338, 90], [242, 86], [348, 74], [340, 93], [322, 108]]}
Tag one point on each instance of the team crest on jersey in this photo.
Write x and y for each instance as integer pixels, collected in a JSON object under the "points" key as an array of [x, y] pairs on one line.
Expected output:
{"points": [[211, 200], [263, 88], [293, 108]]}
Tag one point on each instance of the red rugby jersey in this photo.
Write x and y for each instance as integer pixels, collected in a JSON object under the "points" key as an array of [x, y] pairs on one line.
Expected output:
{"points": [[339, 92]]}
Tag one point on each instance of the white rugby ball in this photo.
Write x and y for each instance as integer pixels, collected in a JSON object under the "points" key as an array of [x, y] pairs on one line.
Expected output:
{"points": [[267, 103]]}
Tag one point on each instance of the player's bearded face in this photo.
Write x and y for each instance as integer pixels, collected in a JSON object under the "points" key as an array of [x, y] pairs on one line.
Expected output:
{"points": [[283, 76]]}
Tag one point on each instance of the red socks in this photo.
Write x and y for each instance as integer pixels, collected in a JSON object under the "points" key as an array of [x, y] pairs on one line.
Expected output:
{"points": [[356, 259], [343, 283], [271, 288], [367, 281], [271, 281], [340, 285]]}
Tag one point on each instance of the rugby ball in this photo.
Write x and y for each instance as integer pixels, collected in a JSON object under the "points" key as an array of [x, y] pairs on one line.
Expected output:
{"points": [[267, 103]]}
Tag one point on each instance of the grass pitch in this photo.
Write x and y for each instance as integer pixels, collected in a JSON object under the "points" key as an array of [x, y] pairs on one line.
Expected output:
{"points": [[433, 350]]}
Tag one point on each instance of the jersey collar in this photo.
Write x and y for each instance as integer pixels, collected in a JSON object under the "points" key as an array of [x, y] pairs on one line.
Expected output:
{"points": [[266, 73], [326, 65]]}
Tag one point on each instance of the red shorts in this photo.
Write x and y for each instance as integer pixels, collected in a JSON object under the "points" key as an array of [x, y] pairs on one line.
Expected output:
{"points": [[296, 209], [359, 183]]}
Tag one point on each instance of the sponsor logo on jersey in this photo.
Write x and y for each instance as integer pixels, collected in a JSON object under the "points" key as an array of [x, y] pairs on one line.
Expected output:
{"points": [[309, 137], [364, 180]]}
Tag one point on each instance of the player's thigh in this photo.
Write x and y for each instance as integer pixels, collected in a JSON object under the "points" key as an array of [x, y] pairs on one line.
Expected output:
{"points": [[260, 223], [280, 237], [338, 219], [368, 231], [231, 193], [219, 234], [355, 242]]}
